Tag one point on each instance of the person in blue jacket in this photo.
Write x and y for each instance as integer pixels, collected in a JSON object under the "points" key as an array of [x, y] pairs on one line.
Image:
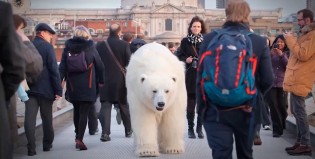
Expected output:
{"points": [[223, 126], [43, 92]]}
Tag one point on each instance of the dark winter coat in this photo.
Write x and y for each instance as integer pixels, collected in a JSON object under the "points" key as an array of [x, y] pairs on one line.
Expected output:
{"points": [[114, 89], [279, 64], [82, 86], [263, 75], [187, 50], [48, 83], [12, 70]]}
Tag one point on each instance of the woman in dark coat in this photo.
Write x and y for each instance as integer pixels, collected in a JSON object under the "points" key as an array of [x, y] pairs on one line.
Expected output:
{"points": [[189, 50], [276, 97], [81, 86]]}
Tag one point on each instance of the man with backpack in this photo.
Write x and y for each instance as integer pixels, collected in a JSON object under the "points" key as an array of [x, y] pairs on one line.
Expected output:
{"points": [[234, 69]]}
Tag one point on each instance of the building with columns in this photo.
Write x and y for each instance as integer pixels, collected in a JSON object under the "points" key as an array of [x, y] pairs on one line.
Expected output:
{"points": [[159, 20]]}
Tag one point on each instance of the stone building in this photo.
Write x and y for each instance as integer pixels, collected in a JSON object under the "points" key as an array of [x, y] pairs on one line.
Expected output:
{"points": [[159, 20]]}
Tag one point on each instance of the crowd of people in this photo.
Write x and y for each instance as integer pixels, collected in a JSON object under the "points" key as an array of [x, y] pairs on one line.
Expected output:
{"points": [[283, 68]]}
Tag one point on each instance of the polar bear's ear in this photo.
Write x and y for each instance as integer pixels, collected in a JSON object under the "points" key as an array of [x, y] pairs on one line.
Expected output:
{"points": [[143, 77]]}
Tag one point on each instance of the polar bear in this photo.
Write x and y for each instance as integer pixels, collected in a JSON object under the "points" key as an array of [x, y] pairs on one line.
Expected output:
{"points": [[157, 98]]}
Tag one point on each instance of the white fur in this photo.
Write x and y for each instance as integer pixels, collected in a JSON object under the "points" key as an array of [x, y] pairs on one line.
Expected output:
{"points": [[155, 75]]}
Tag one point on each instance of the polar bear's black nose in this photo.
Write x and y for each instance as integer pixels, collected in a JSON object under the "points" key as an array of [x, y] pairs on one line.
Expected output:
{"points": [[161, 104]]}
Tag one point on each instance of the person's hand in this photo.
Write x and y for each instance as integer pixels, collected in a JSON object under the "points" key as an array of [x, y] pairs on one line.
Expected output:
{"points": [[100, 85], [278, 51], [57, 97], [21, 34], [189, 59]]}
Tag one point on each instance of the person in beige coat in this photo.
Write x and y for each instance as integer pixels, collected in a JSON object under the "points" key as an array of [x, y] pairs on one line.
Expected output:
{"points": [[299, 78]]}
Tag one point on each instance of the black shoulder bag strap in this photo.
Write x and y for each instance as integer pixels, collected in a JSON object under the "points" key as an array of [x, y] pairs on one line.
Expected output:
{"points": [[122, 69]]}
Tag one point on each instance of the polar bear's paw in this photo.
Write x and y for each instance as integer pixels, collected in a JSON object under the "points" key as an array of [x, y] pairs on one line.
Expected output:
{"points": [[173, 150], [147, 151]]}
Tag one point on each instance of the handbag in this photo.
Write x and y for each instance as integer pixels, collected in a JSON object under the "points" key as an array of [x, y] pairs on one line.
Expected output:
{"points": [[122, 69]]}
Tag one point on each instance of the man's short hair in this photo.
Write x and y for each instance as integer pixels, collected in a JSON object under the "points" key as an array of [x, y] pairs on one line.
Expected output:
{"points": [[306, 14], [171, 45], [237, 11], [127, 37], [114, 29]]}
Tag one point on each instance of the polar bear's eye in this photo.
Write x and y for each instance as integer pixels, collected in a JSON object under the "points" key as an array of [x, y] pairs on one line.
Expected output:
{"points": [[166, 91], [154, 91]]}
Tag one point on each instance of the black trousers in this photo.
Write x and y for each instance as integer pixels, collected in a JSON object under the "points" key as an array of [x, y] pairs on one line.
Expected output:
{"points": [[277, 100], [191, 111], [105, 116], [31, 109], [6, 144], [92, 119], [80, 117]]}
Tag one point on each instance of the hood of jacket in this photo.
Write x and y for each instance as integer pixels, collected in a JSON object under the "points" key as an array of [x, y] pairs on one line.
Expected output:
{"points": [[78, 44], [308, 28]]}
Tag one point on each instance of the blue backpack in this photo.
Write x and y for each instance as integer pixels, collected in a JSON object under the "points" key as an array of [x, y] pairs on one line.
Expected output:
{"points": [[228, 69]]}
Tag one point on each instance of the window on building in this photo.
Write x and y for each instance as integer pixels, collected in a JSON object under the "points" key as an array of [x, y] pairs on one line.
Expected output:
{"points": [[99, 31], [125, 24], [107, 24], [168, 25]]}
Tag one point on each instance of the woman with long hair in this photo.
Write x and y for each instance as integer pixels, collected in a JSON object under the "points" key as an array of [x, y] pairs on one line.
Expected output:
{"points": [[189, 50], [276, 96]]}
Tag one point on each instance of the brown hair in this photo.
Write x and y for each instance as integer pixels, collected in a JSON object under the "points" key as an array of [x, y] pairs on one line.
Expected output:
{"points": [[18, 20], [237, 11], [306, 14], [127, 37], [197, 19]]}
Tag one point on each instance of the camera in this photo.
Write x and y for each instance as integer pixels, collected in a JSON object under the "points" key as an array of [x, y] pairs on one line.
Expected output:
{"points": [[194, 63], [275, 46]]}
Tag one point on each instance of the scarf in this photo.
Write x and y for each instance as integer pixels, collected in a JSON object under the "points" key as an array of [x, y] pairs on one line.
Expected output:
{"points": [[195, 39]]}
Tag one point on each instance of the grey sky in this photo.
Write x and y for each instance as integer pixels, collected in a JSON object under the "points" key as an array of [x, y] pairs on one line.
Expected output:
{"points": [[289, 6]]}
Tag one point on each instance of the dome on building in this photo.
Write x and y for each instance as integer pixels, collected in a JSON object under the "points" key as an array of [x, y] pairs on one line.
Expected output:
{"points": [[128, 3]]}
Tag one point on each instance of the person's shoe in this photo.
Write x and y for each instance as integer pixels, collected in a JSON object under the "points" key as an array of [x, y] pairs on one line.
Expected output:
{"points": [[301, 150], [200, 134], [47, 148], [191, 134], [296, 145], [276, 135], [266, 127], [105, 138], [31, 152], [118, 116], [129, 133], [257, 140], [80, 145], [93, 132]]}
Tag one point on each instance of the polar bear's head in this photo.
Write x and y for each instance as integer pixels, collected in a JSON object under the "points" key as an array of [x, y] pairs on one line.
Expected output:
{"points": [[158, 89]]}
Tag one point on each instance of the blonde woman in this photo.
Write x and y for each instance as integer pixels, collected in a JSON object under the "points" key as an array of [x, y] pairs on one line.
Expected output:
{"points": [[81, 82]]}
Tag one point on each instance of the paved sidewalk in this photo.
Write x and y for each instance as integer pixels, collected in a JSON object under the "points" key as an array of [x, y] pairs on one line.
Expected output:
{"points": [[122, 148]]}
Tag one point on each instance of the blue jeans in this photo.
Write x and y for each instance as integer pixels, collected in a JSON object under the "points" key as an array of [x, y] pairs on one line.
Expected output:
{"points": [[302, 127], [220, 135]]}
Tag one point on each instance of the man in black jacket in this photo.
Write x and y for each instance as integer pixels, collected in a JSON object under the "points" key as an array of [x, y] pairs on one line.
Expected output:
{"points": [[43, 91], [220, 123], [114, 90], [12, 73]]}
